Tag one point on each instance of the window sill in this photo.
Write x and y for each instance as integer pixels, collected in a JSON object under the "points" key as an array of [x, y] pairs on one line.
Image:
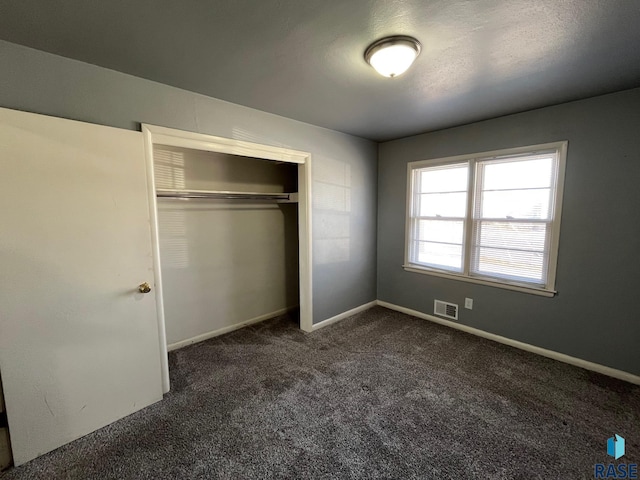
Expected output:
{"points": [[481, 281]]}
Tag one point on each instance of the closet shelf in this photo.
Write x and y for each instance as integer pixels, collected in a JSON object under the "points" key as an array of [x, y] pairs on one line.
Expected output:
{"points": [[226, 195]]}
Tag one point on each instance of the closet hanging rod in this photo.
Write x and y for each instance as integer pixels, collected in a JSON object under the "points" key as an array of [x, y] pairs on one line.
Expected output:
{"points": [[223, 195]]}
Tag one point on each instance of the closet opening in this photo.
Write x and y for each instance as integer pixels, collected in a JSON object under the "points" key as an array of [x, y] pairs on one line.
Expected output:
{"points": [[231, 232]]}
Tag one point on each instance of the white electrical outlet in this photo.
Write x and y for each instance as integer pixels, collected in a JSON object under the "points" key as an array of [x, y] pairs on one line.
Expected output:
{"points": [[468, 303]]}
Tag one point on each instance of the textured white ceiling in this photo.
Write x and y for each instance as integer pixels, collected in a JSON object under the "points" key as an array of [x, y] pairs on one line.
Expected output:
{"points": [[303, 59]]}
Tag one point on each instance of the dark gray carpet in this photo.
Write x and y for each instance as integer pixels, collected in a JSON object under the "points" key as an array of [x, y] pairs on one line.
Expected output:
{"points": [[379, 395]]}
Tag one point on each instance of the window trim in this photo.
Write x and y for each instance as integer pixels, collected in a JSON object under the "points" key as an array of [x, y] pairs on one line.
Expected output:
{"points": [[549, 289]]}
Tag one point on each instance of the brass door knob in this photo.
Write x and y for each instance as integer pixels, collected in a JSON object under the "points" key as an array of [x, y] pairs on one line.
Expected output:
{"points": [[144, 288]]}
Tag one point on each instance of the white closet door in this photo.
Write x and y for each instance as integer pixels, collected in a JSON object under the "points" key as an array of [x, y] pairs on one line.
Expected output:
{"points": [[78, 342]]}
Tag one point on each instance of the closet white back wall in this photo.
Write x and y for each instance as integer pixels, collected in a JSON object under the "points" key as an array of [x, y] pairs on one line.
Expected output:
{"points": [[224, 262]]}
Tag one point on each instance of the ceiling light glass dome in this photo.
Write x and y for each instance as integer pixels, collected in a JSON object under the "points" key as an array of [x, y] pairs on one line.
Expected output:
{"points": [[392, 56]]}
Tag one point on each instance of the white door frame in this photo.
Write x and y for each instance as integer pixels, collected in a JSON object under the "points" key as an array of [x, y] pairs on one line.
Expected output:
{"points": [[198, 141]]}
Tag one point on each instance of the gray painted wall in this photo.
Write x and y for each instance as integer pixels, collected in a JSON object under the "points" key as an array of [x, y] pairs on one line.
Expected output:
{"points": [[595, 315], [39, 82]]}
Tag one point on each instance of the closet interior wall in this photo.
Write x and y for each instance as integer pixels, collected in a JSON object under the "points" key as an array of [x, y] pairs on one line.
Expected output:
{"points": [[224, 262]]}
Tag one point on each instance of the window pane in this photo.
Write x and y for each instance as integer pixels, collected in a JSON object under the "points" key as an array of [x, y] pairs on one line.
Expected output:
{"points": [[512, 217], [532, 204], [510, 264], [450, 178], [525, 236], [440, 231], [443, 205], [447, 257], [518, 174]]}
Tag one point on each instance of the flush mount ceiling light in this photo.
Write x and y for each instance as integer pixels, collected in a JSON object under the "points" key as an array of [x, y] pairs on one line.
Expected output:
{"points": [[392, 56]]}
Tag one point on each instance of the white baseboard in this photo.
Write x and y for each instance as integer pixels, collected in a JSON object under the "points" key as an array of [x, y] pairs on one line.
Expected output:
{"points": [[561, 357], [344, 315], [230, 328]]}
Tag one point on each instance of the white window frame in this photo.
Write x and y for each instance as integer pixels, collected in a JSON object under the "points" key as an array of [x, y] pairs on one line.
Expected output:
{"points": [[549, 289]]}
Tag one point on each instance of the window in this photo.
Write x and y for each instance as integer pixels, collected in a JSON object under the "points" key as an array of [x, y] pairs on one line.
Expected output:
{"points": [[489, 218]]}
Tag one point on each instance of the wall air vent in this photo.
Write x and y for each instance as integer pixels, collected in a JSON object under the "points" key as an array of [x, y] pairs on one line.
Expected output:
{"points": [[445, 309]]}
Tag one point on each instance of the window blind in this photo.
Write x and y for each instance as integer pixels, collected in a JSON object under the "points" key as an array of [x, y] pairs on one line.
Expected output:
{"points": [[513, 217], [438, 216]]}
